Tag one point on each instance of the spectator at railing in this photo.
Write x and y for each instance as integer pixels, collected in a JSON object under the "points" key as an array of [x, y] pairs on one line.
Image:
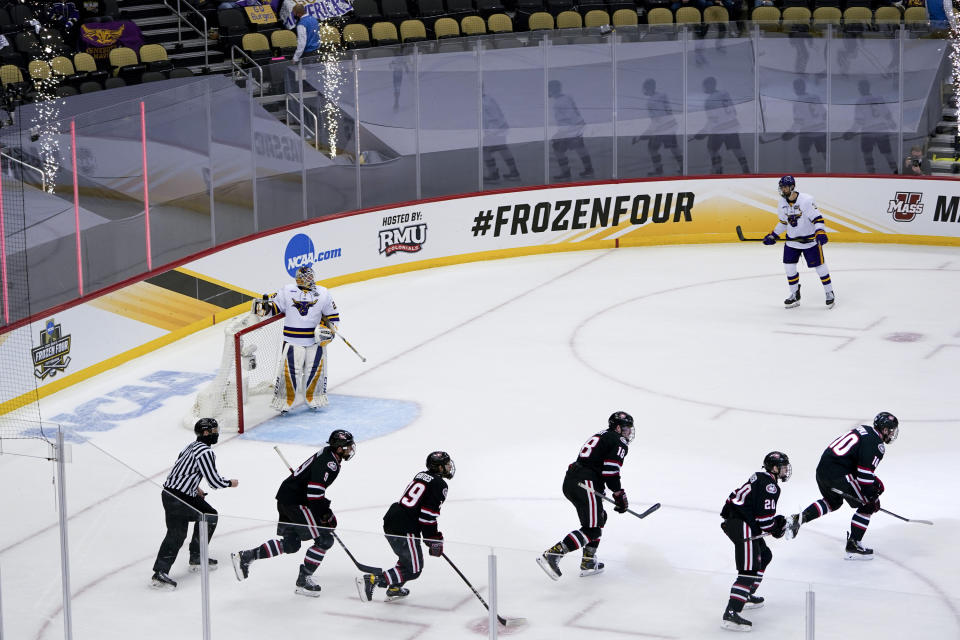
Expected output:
{"points": [[308, 33]]}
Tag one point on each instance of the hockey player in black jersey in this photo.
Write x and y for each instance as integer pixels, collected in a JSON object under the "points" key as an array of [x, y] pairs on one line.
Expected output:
{"points": [[413, 516], [597, 466], [849, 464], [751, 510], [304, 513]]}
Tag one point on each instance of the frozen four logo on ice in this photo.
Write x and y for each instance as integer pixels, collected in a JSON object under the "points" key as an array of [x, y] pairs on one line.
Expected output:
{"points": [[301, 253], [905, 205], [53, 354], [408, 238]]}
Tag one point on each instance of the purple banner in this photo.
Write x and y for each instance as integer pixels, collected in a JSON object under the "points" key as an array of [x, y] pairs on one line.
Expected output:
{"points": [[99, 38]]}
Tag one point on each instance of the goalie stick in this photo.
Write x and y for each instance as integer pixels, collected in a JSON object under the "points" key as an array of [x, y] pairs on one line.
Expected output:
{"points": [[847, 496], [352, 348], [363, 567], [630, 511], [743, 238], [507, 622]]}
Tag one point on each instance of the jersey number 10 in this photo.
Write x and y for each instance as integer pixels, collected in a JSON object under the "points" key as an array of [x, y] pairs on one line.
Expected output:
{"points": [[842, 445]]}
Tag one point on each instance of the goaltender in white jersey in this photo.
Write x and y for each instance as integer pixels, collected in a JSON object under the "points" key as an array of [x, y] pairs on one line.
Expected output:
{"points": [[310, 323]]}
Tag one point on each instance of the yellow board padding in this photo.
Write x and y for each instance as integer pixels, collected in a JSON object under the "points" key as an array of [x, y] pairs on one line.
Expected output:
{"points": [[155, 306], [219, 283], [369, 274]]}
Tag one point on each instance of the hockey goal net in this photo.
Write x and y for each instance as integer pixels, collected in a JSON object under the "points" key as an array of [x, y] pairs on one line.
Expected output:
{"points": [[239, 396]]}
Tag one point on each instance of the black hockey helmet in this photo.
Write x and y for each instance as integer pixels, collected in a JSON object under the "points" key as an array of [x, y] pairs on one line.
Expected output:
{"points": [[887, 426], [205, 424], [779, 461], [440, 463], [341, 441], [624, 421], [786, 181]]}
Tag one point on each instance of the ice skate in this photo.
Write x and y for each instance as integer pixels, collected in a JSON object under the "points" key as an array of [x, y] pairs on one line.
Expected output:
{"points": [[365, 586], [587, 172], [306, 586], [856, 551], [493, 176], [565, 175], [194, 564], [396, 592], [733, 621], [241, 564], [319, 402], [589, 565], [513, 175], [161, 580], [753, 602], [793, 300], [831, 300], [550, 561], [793, 526]]}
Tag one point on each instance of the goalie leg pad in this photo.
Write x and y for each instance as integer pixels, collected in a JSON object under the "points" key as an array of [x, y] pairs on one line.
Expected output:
{"points": [[285, 389], [315, 392]]}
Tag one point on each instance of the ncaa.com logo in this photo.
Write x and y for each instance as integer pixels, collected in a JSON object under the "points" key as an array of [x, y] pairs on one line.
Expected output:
{"points": [[905, 205], [301, 253]]}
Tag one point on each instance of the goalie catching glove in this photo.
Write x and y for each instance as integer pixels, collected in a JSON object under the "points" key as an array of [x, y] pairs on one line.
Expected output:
{"points": [[324, 335], [620, 497]]}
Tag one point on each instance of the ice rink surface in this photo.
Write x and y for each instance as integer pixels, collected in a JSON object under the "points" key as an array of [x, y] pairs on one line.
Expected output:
{"points": [[510, 366]]}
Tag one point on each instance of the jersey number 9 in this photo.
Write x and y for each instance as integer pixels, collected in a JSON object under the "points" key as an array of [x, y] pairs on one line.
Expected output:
{"points": [[413, 494]]}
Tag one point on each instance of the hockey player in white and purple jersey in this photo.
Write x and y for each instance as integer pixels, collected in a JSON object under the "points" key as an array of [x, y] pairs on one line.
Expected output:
{"points": [[806, 234], [310, 324]]}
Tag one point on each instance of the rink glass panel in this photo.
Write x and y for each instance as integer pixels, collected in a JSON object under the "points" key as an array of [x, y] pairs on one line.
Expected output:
{"points": [[793, 101]]}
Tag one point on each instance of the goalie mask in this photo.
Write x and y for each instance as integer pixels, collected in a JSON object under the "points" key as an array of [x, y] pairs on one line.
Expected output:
{"points": [[779, 461], [212, 431], [305, 279], [623, 421], [439, 463], [887, 426], [341, 442]]}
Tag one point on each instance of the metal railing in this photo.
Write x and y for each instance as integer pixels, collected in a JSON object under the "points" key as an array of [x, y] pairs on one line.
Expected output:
{"points": [[237, 70], [295, 117], [43, 176], [204, 34]]}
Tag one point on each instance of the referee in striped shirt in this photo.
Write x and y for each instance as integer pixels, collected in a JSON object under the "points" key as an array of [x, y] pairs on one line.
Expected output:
{"points": [[183, 501]]}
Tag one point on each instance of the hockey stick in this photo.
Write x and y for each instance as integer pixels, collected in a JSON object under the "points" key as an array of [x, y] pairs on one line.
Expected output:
{"points": [[507, 622], [352, 348], [889, 513], [363, 567], [743, 238], [630, 511]]}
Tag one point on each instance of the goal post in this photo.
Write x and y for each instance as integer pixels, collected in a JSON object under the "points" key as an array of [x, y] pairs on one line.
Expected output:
{"points": [[239, 395]]}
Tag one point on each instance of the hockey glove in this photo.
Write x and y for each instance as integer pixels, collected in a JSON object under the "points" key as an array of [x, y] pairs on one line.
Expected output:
{"points": [[779, 527], [436, 545], [329, 520], [620, 497], [770, 238], [821, 237], [323, 335]]}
